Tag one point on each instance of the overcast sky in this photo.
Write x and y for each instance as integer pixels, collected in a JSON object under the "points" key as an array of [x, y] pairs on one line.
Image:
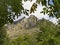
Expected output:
{"points": [[28, 4]]}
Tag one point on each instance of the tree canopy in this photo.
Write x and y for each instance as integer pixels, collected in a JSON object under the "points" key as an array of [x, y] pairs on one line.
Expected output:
{"points": [[52, 8]]}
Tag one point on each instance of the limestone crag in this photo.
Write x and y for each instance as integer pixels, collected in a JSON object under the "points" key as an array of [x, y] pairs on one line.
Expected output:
{"points": [[26, 25], [30, 22]]}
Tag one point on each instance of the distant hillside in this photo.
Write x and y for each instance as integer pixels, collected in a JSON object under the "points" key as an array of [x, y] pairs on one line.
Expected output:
{"points": [[32, 31], [25, 24], [28, 25]]}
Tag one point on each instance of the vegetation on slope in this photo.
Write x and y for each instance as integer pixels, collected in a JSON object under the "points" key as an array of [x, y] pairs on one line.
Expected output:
{"points": [[49, 34], [16, 6]]}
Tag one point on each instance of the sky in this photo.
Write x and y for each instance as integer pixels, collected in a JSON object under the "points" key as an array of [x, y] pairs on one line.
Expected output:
{"points": [[28, 4]]}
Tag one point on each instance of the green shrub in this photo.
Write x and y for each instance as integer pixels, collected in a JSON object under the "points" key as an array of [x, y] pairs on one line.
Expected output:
{"points": [[3, 35]]}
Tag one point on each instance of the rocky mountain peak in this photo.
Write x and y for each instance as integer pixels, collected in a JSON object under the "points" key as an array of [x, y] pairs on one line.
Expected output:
{"points": [[29, 22]]}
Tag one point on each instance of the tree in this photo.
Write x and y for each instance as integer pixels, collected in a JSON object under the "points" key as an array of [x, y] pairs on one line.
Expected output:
{"points": [[5, 15], [52, 7], [16, 7]]}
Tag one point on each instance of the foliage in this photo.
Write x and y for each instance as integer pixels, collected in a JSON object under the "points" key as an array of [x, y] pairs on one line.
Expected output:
{"points": [[48, 35], [16, 7], [5, 16], [3, 35], [52, 7]]}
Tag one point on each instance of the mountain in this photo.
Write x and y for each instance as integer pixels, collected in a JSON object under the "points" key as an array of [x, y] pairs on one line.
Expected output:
{"points": [[25, 24], [28, 26], [32, 31], [30, 22]]}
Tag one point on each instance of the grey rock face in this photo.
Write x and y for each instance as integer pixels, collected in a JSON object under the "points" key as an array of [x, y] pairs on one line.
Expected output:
{"points": [[30, 22], [25, 23]]}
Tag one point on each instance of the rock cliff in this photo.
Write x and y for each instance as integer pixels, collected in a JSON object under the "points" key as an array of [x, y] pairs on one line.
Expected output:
{"points": [[26, 25]]}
